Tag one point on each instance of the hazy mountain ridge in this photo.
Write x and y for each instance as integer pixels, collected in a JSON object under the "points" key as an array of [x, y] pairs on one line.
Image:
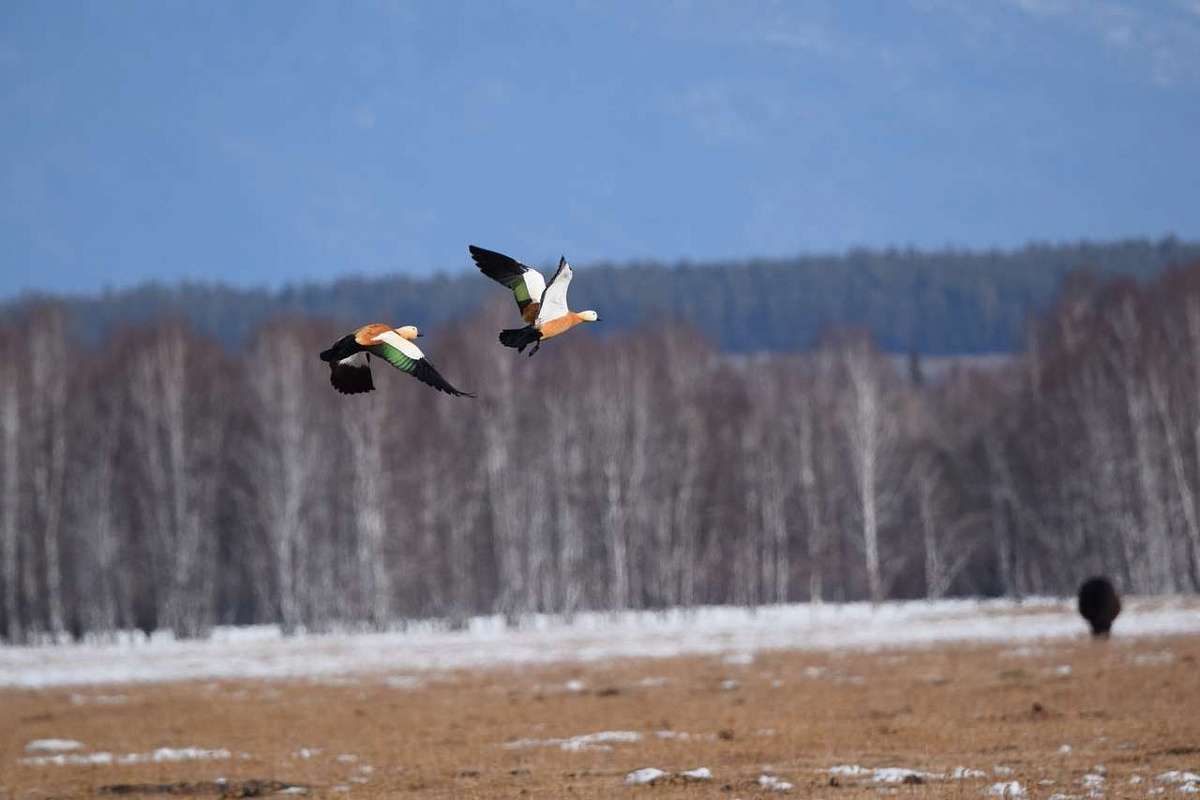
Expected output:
{"points": [[939, 303]]}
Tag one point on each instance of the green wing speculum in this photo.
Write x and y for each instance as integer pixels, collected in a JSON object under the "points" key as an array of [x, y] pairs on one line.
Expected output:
{"points": [[393, 356], [416, 365]]}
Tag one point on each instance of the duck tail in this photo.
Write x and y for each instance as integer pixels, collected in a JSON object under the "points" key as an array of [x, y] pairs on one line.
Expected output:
{"points": [[520, 338]]}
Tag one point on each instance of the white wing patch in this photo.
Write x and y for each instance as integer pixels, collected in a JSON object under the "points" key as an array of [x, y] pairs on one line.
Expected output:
{"points": [[357, 360], [400, 343], [554, 300], [535, 283]]}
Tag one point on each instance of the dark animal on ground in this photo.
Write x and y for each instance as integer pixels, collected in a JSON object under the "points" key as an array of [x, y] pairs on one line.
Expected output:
{"points": [[1099, 605]]}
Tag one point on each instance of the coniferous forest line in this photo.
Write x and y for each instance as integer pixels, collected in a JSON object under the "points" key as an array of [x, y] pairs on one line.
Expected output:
{"points": [[158, 479], [944, 302]]}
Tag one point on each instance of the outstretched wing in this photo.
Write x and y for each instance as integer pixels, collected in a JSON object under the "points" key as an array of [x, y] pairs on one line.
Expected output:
{"points": [[351, 375], [407, 357], [526, 283], [554, 299]]}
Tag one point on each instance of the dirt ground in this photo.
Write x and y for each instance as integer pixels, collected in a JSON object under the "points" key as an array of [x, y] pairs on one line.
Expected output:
{"points": [[1045, 715]]}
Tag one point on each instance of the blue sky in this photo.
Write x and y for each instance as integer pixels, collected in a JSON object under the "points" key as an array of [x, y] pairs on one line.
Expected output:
{"points": [[264, 142]]}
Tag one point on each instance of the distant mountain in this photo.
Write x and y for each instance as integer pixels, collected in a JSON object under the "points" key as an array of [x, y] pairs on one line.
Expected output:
{"points": [[938, 303]]}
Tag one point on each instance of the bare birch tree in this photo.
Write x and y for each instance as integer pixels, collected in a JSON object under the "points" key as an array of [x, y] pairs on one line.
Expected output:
{"points": [[10, 473], [47, 435], [284, 461], [365, 424], [870, 431]]}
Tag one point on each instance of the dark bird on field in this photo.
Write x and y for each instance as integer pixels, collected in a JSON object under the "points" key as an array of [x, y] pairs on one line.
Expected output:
{"points": [[1099, 605], [542, 305], [350, 359]]}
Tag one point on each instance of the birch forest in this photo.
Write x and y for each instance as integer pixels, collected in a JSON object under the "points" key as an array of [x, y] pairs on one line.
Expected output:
{"points": [[159, 479]]}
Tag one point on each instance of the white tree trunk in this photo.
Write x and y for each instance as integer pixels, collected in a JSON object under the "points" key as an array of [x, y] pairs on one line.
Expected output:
{"points": [[10, 474], [865, 421], [284, 464], [506, 475], [48, 365], [1155, 574], [179, 450], [365, 429], [566, 460], [805, 445]]}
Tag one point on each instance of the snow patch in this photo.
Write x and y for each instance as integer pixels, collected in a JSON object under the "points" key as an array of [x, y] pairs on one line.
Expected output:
{"points": [[597, 741], [161, 755], [773, 784], [263, 652], [1006, 789], [164, 754], [586, 741], [651, 775], [53, 746], [966, 773], [68, 760], [1176, 776], [1094, 783], [684, 736], [647, 775], [739, 659], [899, 775], [850, 770]]}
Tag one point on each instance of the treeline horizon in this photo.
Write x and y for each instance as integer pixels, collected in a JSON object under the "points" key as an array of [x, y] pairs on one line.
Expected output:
{"points": [[932, 302], [160, 480]]}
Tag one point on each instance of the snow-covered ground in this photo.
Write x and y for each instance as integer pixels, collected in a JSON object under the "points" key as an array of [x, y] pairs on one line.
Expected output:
{"points": [[262, 652]]}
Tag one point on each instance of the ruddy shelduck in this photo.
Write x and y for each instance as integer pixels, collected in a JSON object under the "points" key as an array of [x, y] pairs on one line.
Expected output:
{"points": [[350, 359], [543, 306]]}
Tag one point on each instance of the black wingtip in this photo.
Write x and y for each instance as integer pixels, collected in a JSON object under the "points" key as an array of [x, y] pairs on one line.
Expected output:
{"points": [[350, 380], [519, 338]]}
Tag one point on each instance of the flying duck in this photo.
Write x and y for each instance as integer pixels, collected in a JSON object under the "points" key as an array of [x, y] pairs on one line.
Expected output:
{"points": [[350, 359], [543, 306]]}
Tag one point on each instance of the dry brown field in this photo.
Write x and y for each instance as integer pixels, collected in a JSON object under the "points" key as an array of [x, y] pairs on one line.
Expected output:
{"points": [[1043, 714]]}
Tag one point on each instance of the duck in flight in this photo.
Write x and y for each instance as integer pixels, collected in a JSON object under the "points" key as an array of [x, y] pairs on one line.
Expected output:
{"points": [[350, 359], [543, 305]]}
